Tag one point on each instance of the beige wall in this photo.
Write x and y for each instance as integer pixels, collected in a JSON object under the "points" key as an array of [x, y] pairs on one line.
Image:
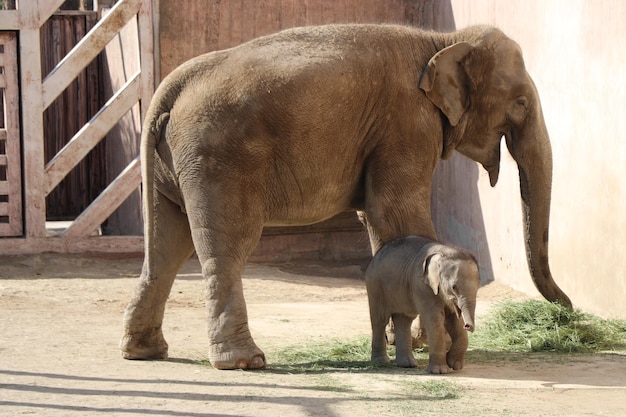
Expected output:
{"points": [[575, 50]]}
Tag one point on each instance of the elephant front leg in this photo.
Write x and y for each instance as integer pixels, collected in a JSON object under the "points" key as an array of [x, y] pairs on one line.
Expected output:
{"points": [[436, 331], [456, 354], [404, 342]]}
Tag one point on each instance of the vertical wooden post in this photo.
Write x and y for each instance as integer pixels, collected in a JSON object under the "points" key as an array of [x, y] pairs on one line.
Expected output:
{"points": [[147, 53], [32, 120]]}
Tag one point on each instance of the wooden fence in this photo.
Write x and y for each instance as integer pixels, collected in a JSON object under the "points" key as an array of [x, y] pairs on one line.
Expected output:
{"points": [[38, 92], [78, 103]]}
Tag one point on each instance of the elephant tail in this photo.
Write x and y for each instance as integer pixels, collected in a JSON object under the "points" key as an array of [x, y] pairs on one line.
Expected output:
{"points": [[150, 136]]}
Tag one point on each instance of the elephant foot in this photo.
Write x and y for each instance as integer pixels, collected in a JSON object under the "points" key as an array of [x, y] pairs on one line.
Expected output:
{"points": [[221, 357], [406, 362], [438, 369], [380, 358], [455, 363], [142, 346]]}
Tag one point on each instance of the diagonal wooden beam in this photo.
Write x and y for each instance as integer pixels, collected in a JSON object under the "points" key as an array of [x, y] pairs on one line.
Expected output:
{"points": [[106, 203], [47, 8], [90, 134], [87, 49]]}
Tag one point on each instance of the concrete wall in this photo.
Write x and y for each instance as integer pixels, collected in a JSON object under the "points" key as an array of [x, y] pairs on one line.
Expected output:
{"points": [[575, 52]]}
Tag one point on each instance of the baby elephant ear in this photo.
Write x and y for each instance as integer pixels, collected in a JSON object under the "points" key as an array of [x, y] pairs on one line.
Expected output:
{"points": [[432, 274], [444, 81]]}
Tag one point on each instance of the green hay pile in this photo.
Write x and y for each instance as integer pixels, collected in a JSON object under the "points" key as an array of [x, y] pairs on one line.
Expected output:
{"points": [[536, 326]]}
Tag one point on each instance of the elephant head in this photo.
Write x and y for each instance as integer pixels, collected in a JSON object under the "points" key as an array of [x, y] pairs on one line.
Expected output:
{"points": [[454, 277], [481, 85]]}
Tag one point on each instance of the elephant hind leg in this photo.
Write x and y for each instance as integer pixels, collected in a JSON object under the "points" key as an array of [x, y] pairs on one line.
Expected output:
{"points": [[231, 345], [378, 318], [170, 247], [226, 227], [404, 342]]}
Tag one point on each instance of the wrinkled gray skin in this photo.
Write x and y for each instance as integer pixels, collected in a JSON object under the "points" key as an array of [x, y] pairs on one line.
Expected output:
{"points": [[296, 127], [415, 275]]}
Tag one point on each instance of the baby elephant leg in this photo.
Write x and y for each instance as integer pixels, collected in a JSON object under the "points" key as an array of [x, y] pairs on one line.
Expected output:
{"points": [[437, 345], [404, 342], [418, 334], [390, 333], [456, 352], [379, 342]]}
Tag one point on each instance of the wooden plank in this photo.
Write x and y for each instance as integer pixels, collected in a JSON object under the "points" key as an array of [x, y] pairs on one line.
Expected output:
{"points": [[4, 187], [89, 136], [46, 9], [4, 210], [107, 244], [106, 203], [156, 46], [147, 55], [3, 160], [9, 20], [101, 244], [12, 139], [87, 49], [32, 128]]}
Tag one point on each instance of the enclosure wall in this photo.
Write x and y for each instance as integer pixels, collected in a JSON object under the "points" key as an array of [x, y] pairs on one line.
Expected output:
{"points": [[574, 51]]}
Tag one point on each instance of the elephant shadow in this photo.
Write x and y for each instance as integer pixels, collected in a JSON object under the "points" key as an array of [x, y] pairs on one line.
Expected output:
{"points": [[556, 371], [457, 213]]}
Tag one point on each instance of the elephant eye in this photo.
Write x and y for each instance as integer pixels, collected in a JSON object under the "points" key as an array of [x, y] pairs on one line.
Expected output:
{"points": [[455, 288], [516, 112]]}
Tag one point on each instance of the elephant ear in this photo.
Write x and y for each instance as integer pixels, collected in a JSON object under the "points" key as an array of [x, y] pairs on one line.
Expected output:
{"points": [[444, 81], [432, 271]]}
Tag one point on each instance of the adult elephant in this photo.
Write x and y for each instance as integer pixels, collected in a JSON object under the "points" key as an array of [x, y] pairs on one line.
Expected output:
{"points": [[298, 126]]}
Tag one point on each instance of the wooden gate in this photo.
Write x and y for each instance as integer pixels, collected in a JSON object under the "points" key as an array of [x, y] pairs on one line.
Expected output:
{"points": [[36, 95]]}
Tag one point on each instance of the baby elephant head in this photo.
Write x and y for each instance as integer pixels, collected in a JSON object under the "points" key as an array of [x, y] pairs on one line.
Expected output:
{"points": [[453, 276]]}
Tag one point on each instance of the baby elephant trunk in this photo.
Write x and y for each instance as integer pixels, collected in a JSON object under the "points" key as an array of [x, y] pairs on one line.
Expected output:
{"points": [[467, 313]]}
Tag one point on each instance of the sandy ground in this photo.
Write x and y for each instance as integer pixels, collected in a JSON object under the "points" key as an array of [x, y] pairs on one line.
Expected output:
{"points": [[60, 323]]}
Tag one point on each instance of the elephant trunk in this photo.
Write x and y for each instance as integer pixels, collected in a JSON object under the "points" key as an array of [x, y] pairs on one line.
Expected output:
{"points": [[531, 149], [467, 314]]}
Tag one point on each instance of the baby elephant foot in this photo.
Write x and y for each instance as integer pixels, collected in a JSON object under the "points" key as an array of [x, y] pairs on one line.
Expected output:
{"points": [[222, 356], [406, 361], [144, 345], [455, 363]]}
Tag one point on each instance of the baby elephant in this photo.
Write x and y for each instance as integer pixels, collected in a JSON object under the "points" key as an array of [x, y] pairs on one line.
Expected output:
{"points": [[415, 275]]}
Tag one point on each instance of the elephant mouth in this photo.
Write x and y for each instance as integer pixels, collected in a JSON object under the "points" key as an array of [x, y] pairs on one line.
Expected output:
{"points": [[494, 173]]}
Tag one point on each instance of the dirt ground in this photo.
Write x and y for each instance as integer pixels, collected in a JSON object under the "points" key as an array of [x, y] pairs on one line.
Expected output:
{"points": [[60, 323]]}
